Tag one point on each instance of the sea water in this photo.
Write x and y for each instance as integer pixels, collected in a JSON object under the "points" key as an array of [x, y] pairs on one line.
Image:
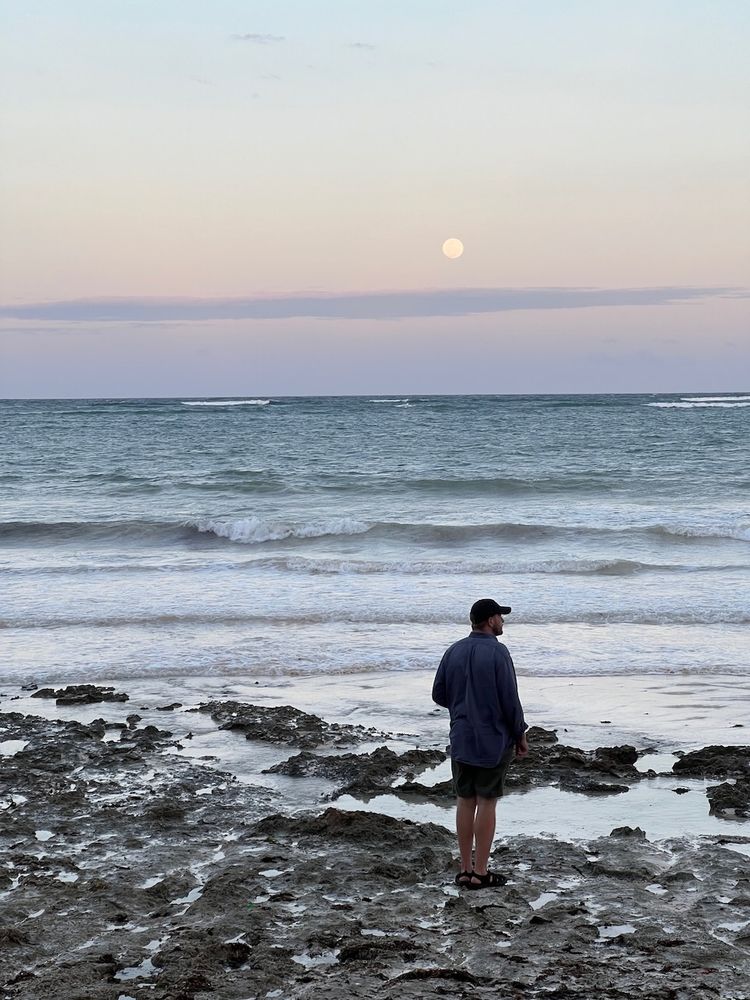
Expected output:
{"points": [[299, 535]]}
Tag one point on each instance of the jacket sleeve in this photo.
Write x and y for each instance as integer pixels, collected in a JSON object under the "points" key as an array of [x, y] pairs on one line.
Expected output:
{"points": [[439, 688], [507, 690]]}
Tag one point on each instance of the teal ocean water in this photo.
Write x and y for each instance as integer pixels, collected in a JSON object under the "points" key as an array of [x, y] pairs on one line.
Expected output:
{"points": [[295, 535]]}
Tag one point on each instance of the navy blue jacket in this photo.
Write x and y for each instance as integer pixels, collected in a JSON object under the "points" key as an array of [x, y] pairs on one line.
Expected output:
{"points": [[476, 680]]}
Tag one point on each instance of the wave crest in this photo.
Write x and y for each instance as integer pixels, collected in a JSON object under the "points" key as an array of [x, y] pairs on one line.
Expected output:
{"points": [[226, 402], [249, 530]]}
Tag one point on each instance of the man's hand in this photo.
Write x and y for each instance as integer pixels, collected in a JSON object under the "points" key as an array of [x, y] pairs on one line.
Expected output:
{"points": [[522, 746]]}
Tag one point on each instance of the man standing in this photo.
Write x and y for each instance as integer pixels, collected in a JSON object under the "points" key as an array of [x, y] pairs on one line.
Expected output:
{"points": [[476, 681]]}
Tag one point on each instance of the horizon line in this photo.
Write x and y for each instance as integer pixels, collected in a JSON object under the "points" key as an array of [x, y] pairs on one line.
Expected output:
{"points": [[357, 395]]}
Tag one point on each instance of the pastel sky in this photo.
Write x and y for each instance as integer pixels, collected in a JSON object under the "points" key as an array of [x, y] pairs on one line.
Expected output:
{"points": [[249, 198]]}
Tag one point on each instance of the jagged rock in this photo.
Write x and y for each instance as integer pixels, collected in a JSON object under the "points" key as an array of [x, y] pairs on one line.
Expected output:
{"points": [[629, 831], [81, 694], [361, 774], [714, 762], [283, 724], [730, 800]]}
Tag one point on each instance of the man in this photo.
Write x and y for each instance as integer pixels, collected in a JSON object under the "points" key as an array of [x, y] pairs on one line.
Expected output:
{"points": [[477, 682]]}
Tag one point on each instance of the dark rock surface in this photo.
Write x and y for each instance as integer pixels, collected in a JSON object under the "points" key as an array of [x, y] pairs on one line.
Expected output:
{"points": [[129, 871], [548, 763], [360, 774], [714, 762], [285, 725], [81, 694], [731, 801]]}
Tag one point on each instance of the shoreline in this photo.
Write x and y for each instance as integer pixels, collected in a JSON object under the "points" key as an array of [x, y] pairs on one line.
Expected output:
{"points": [[651, 714], [209, 841]]}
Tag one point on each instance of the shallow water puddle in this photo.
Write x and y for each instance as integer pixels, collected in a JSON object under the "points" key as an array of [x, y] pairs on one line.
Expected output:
{"points": [[656, 889], [13, 800], [9, 748], [569, 882], [542, 900], [607, 931], [735, 925], [658, 761], [43, 835], [191, 897], [316, 961], [742, 848], [151, 882], [146, 968]]}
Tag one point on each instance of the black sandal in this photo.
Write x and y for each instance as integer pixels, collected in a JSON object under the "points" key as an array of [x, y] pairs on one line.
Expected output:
{"points": [[489, 881], [463, 878]]}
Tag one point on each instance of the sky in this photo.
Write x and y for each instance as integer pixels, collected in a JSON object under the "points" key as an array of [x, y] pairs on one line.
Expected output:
{"points": [[250, 198]]}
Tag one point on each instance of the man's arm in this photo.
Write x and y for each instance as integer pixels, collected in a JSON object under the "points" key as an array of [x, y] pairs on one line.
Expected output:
{"points": [[510, 703], [439, 690]]}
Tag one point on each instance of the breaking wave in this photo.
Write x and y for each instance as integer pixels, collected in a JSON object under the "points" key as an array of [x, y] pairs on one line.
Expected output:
{"points": [[251, 530], [701, 404], [226, 402], [254, 530]]}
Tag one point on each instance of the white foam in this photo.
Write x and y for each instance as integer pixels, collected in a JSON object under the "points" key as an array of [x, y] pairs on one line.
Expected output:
{"points": [[684, 405], [740, 531], [227, 402], [253, 529], [389, 400], [716, 399]]}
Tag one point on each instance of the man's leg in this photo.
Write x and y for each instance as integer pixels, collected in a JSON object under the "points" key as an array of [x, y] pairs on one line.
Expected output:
{"points": [[484, 831], [465, 809]]}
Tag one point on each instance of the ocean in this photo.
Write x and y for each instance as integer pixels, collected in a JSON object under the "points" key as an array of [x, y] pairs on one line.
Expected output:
{"points": [[295, 536]]}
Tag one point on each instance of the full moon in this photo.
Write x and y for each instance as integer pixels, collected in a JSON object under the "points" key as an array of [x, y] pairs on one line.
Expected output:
{"points": [[453, 248]]}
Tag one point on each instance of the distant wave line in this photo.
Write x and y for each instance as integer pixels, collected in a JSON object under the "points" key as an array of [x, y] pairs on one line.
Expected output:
{"points": [[715, 399], [253, 530], [637, 616], [695, 405], [335, 567], [226, 402]]}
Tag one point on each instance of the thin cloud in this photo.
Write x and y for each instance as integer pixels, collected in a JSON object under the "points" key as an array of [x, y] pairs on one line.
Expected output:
{"points": [[259, 39], [365, 46], [357, 305]]}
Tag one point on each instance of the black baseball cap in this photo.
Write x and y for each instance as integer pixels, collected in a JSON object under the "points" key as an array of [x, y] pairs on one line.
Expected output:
{"points": [[486, 608]]}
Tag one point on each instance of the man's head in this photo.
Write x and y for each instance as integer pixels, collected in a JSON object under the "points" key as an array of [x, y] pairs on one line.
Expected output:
{"points": [[487, 616]]}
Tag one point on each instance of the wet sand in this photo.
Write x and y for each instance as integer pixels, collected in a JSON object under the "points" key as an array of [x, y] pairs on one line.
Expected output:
{"points": [[252, 850]]}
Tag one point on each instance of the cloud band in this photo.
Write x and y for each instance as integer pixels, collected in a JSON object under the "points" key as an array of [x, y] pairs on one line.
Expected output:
{"points": [[361, 305]]}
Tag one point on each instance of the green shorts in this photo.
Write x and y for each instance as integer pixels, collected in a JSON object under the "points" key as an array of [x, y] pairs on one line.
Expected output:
{"points": [[486, 782]]}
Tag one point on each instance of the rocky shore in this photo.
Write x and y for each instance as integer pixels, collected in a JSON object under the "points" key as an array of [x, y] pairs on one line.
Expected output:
{"points": [[130, 869]]}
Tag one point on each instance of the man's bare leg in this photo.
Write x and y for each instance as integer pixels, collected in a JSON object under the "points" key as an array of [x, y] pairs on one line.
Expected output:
{"points": [[484, 831], [465, 809]]}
